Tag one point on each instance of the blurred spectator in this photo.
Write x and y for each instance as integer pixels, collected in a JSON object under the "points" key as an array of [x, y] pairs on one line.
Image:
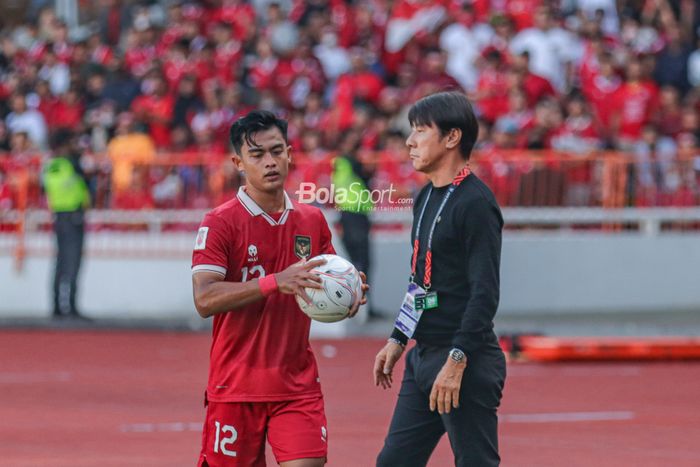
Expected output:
{"points": [[656, 174], [551, 49], [606, 10], [463, 41], [694, 66], [121, 87], [519, 116], [672, 61], [536, 87], [187, 102], [670, 112], [601, 92], [30, 121], [578, 133], [167, 189], [55, 72], [114, 18], [127, 149], [155, 108], [67, 112], [492, 88], [4, 137], [334, 58], [360, 83], [635, 103], [6, 195]]}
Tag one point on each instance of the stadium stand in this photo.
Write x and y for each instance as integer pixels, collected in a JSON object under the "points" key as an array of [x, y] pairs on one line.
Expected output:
{"points": [[159, 83]]}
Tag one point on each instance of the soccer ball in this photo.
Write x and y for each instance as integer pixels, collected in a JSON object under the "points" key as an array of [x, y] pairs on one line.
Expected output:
{"points": [[341, 286]]}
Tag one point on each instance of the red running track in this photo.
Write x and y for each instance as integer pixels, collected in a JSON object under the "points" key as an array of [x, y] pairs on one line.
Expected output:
{"points": [[115, 398]]}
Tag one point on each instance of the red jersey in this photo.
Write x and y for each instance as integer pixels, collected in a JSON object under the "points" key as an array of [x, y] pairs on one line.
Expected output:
{"points": [[260, 352], [635, 103], [601, 95], [493, 91], [536, 87]]}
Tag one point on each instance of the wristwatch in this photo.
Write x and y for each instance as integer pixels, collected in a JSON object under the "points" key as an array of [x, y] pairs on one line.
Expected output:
{"points": [[457, 356], [394, 340]]}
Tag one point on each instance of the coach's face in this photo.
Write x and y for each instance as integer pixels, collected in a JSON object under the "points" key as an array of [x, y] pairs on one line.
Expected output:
{"points": [[266, 161], [426, 146]]}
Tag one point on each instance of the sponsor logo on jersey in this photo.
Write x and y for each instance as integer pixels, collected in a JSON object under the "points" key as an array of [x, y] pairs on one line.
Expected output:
{"points": [[302, 246], [201, 242], [252, 253]]}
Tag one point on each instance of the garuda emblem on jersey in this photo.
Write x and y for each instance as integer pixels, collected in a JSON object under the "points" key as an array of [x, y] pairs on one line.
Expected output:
{"points": [[302, 246]]}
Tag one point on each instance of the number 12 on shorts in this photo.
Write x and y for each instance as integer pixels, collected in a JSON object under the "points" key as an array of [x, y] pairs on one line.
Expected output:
{"points": [[225, 442]]}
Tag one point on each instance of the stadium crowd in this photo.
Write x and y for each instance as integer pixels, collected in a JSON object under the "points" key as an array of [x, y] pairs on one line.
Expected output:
{"points": [[161, 81]]}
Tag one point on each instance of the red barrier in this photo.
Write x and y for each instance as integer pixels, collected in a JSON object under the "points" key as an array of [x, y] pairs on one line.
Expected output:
{"points": [[557, 349]]}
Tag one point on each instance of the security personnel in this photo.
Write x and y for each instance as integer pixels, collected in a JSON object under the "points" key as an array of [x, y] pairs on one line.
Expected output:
{"points": [[68, 198], [350, 175], [455, 374]]}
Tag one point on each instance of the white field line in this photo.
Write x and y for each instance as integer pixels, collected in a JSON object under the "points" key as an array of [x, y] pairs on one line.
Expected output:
{"points": [[555, 417], [558, 417], [23, 377]]}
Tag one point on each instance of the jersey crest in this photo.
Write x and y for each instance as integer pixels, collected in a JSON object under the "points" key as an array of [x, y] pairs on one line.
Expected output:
{"points": [[302, 246]]}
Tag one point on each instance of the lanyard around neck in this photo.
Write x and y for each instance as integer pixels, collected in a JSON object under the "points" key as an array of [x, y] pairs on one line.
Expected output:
{"points": [[464, 173]]}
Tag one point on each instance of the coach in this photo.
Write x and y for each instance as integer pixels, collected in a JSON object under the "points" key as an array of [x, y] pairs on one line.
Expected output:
{"points": [[455, 373]]}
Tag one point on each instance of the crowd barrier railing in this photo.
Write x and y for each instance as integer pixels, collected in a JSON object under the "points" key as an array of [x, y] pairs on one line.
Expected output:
{"points": [[592, 190]]}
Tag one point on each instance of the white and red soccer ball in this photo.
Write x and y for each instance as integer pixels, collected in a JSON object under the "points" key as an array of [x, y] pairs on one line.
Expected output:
{"points": [[341, 288]]}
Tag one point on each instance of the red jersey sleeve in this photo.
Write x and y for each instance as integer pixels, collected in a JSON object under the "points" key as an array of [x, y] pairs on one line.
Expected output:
{"points": [[326, 237], [212, 247]]}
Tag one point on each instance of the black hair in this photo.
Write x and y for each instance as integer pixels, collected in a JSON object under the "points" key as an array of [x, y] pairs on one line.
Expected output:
{"points": [[447, 111], [61, 139], [244, 128]]}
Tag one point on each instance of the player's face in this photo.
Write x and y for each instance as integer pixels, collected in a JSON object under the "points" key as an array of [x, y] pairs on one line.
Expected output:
{"points": [[426, 146], [266, 162]]}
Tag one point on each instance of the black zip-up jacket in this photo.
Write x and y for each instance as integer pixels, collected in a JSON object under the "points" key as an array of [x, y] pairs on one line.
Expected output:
{"points": [[466, 254]]}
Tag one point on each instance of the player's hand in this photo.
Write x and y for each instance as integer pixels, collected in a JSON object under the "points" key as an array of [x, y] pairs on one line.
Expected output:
{"points": [[384, 364], [445, 393], [298, 276], [361, 300]]}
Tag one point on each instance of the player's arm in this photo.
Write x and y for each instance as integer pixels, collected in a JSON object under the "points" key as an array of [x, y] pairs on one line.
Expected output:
{"points": [[214, 295]]}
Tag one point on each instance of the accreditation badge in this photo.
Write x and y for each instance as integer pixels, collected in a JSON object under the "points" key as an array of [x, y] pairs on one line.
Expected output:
{"points": [[431, 301], [411, 309]]}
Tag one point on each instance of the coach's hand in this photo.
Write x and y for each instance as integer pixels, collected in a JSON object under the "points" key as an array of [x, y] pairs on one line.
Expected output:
{"points": [[384, 364], [296, 277], [445, 392], [362, 300]]}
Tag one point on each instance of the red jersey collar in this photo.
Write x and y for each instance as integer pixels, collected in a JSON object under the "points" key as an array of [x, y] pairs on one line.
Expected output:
{"points": [[255, 210]]}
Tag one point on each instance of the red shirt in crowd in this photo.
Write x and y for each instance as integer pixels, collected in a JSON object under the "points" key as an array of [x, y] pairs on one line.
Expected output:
{"points": [[139, 59], [241, 17], [521, 11], [292, 77], [65, 115], [492, 88], [634, 104], [157, 112], [601, 95], [536, 87]]}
